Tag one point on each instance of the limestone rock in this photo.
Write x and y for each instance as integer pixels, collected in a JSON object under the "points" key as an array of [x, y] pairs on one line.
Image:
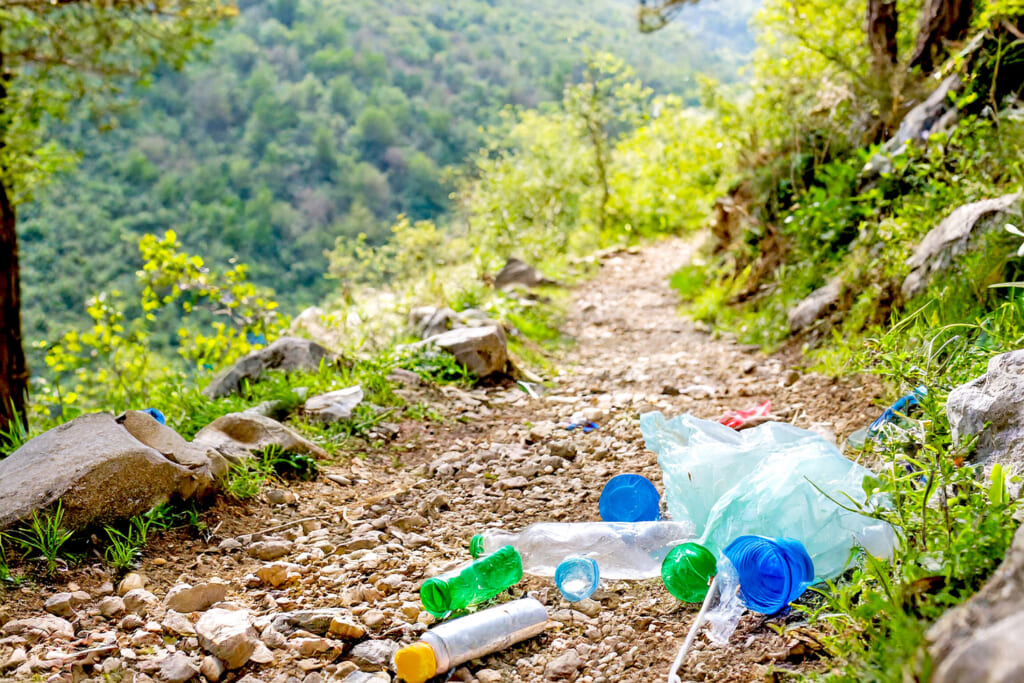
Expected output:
{"points": [[206, 463], [100, 472], [269, 550], [951, 238], [288, 353], [317, 621], [186, 598], [178, 623], [212, 668], [814, 306], [429, 321], [236, 435], [47, 626], [334, 406], [518, 272], [481, 350], [177, 668], [140, 601], [995, 399], [111, 606], [564, 665], [59, 604], [373, 655], [979, 640], [228, 635], [130, 582]]}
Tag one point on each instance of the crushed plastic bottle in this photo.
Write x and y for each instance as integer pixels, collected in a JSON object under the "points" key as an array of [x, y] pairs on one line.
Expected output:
{"points": [[772, 480], [622, 550], [444, 647], [629, 498], [577, 578], [474, 584]]}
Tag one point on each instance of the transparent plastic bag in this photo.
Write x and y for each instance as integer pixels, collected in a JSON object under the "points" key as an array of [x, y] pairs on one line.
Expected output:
{"points": [[759, 482]]}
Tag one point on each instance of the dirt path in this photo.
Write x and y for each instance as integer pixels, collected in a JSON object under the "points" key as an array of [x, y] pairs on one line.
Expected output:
{"points": [[501, 458]]}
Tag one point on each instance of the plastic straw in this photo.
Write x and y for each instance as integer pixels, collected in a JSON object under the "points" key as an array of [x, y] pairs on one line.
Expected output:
{"points": [[673, 674]]}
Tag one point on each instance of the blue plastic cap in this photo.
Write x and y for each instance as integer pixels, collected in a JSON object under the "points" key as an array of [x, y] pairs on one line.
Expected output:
{"points": [[629, 498], [577, 578], [773, 572], [156, 415]]}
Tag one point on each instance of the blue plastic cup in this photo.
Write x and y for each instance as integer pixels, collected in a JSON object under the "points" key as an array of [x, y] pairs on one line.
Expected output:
{"points": [[577, 578], [773, 572], [629, 498]]}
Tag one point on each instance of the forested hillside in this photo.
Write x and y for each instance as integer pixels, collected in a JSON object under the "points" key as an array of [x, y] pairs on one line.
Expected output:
{"points": [[310, 120]]}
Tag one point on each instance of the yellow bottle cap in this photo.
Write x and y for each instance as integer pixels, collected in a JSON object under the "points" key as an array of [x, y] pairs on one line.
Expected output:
{"points": [[416, 663]]}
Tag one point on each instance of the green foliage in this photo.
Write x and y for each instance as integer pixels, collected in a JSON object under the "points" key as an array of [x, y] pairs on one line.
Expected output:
{"points": [[44, 535], [12, 437]]}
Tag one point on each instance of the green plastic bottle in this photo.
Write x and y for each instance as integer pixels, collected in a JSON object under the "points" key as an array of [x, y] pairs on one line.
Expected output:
{"points": [[480, 581], [687, 571]]}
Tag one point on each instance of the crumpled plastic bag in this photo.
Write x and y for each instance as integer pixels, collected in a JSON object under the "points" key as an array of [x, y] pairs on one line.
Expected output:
{"points": [[758, 482]]}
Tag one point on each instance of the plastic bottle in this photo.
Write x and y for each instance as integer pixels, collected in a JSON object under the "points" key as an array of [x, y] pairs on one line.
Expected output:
{"points": [[577, 578], [471, 585], [622, 550], [444, 647], [687, 572], [773, 572], [629, 498]]}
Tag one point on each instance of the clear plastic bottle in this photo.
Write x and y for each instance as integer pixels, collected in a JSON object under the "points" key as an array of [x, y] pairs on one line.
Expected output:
{"points": [[444, 647], [622, 550]]}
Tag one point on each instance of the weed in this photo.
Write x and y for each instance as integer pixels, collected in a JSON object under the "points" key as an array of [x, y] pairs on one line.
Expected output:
{"points": [[245, 480], [123, 550], [194, 520], [45, 535], [13, 436]]}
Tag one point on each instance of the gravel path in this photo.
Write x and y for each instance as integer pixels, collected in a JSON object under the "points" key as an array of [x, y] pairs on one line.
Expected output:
{"points": [[407, 509]]}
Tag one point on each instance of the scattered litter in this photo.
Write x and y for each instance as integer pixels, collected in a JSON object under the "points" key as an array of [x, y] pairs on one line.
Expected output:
{"points": [[587, 428], [738, 419], [892, 423], [773, 480], [622, 550], [444, 647], [528, 387], [687, 572], [577, 578], [725, 616], [155, 414], [773, 572], [629, 498], [473, 584]]}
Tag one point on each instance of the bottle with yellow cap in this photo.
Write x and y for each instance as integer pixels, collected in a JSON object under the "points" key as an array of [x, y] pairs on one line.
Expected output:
{"points": [[444, 647]]}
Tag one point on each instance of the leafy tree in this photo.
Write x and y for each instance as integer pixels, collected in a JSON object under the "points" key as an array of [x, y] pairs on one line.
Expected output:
{"points": [[53, 52]]}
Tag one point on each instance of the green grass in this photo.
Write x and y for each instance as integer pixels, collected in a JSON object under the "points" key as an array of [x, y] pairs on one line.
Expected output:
{"points": [[45, 535]]}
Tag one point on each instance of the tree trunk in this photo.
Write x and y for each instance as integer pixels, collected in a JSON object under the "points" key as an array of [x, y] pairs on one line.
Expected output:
{"points": [[941, 21], [13, 373], [881, 24]]}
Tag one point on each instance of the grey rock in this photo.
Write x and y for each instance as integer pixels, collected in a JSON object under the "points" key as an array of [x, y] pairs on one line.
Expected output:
{"points": [[428, 321], [370, 655], [111, 606], [177, 668], [269, 550], [992, 408], [212, 668], [178, 623], [979, 640], [59, 604], [951, 238], [140, 601], [814, 306], [186, 598], [288, 353], [237, 435], [334, 406], [518, 272], [316, 621], [481, 350], [564, 665], [228, 635], [205, 463], [96, 468], [48, 626]]}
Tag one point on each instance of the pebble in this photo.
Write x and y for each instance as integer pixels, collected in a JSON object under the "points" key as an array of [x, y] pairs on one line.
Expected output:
{"points": [[187, 598], [564, 665], [130, 582], [269, 550]]}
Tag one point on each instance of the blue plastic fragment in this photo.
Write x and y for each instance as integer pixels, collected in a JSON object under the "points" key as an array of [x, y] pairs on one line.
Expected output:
{"points": [[900, 407], [587, 428], [156, 415]]}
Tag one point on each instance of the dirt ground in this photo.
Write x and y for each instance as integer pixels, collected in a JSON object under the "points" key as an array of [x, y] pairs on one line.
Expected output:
{"points": [[403, 510]]}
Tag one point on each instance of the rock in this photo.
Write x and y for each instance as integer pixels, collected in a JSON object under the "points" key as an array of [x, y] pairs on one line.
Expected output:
{"points": [[96, 468], [374, 654], [111, 606], [407, 378], [279, 497], [18, 657], [228, 635], [205, 463], [287, 353], [59, 604], [951, 238], [517, 272], [488, 676], [262, 655], [320, 326], [140, 601], [316, 621], [236, 435], [178, 623], [130, 582], [47, 626], [429, 321], [364, 677], [979, 640], [274, 574], [177, 668], [374, 618], [481, 350], [272, 638], [992, 408], [269, 550], [345, 629], [212, 668], [814, 306], [334, 406], [186, 598], [564, 665], [929, 117]]}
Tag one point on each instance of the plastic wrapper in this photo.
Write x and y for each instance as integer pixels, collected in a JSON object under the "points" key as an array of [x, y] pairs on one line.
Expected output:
{"points": [[759, 481]]}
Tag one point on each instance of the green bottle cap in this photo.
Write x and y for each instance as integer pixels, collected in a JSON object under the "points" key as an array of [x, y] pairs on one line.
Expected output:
{"points": [[687, 572], [476, 546], [436, 595]]}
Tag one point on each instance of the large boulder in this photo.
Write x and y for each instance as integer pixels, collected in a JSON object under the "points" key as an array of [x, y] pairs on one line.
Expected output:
{"points": [[481, 350], [979, 641], [237, 435], [992, 408], [206, 463], [816, 305], [953, 236], [290, 354], [98, 469]]}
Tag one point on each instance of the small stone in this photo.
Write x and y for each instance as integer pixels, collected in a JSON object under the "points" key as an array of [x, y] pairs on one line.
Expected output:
{"points": [[47, 626], [140, 601], [271, 637], [589, 607], [274, 574], [131, 622], [130, 582], [512, 483], [564, 665], [177, 668], [262, 655], [176, 622], [269, 550], [212, 668], [345, 669], [372, 655], [307, 647], [374, 618], [343, 628], [106, 588], [18, 657], [186, 598], [488, 676], [280, 497], [111, 606], [59, 604], [228, 635]]}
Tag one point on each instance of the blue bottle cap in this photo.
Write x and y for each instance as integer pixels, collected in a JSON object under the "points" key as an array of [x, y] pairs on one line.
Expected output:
{"points": [[577, 578], [629, 498], [156, 415]]}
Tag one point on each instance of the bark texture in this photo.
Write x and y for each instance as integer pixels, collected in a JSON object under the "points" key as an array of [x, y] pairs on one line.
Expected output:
{"points": [[942, 21]]}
